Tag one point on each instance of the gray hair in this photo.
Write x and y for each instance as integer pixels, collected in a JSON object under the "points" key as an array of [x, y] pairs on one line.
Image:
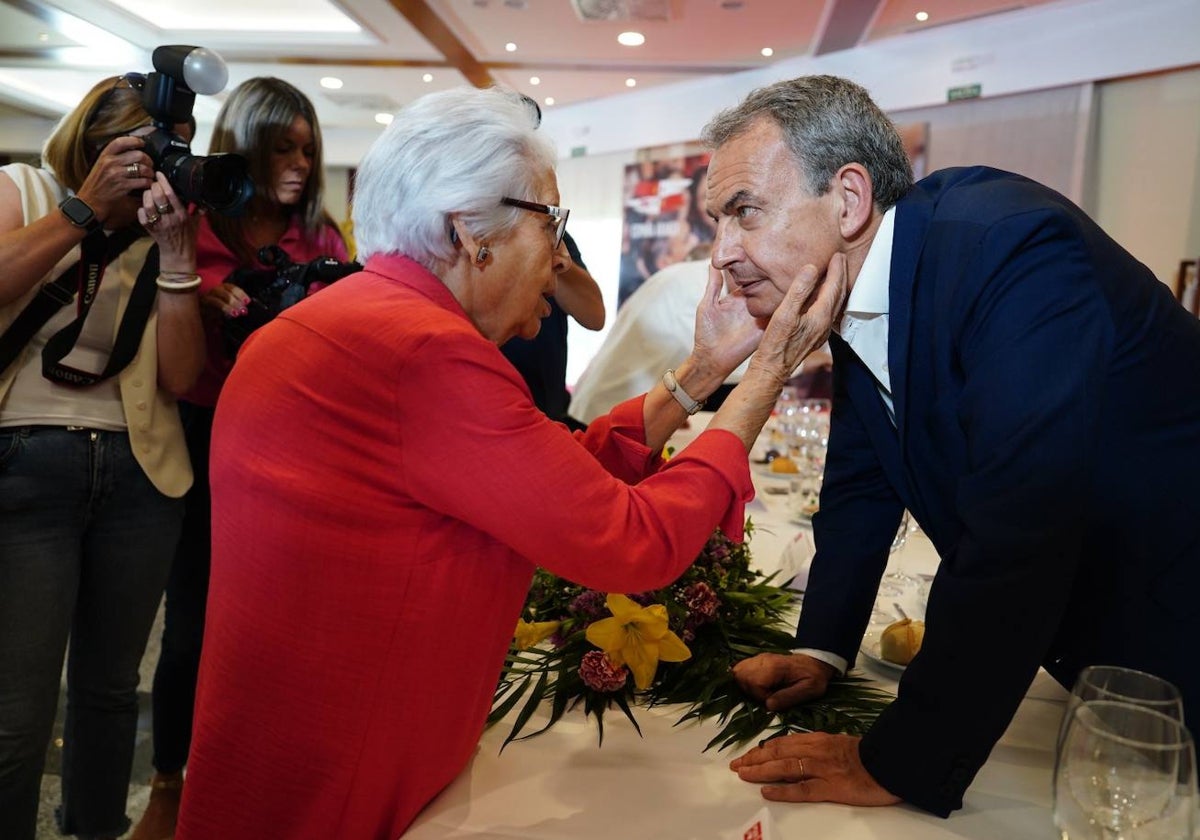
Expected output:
{"points": [[826, 122], [456, 151]]}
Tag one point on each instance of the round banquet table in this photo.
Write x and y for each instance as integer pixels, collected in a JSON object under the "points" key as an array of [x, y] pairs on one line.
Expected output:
{"points": [[561, 786]]}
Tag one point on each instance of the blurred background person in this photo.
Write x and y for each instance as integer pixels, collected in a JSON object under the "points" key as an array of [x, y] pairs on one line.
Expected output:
{"points": [[93, 465], [380, 480], [275, 127], [653, 331]]}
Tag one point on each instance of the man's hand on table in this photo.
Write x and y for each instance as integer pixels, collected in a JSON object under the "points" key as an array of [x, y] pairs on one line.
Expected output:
{"points": [[812, 767], [781, 681]]}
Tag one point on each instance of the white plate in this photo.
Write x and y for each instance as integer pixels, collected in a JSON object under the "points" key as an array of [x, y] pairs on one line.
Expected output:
{"points": [[765, 469], [870, 649]]}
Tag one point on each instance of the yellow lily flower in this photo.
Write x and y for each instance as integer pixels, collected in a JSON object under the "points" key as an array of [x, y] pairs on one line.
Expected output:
{"points": [[638, 637], [530, 633]]}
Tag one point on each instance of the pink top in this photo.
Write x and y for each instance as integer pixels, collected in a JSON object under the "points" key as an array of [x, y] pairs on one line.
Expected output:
{"points": [[383, 487], [215, 262]]}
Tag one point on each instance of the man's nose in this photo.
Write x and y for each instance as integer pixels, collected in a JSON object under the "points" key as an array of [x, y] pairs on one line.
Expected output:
{"points": [[726, 250]]}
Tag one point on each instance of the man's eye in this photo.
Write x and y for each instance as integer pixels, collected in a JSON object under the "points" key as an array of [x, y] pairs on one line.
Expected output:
{"points": [[744, 211]]}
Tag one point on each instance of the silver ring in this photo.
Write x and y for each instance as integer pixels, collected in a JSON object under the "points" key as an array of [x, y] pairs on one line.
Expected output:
{"points": [[152, 220], [164, 209], [133, 169]]}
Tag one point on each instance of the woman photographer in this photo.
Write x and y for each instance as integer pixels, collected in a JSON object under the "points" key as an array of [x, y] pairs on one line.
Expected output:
{"points": [[274, 126], [93, 465], [383, 485]]}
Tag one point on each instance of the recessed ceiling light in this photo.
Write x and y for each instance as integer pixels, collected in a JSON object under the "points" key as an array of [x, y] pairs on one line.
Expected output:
{"points": [[631, 39], [428, 77], [535, 80], [549, 100], [631, 82], [384, 119], [767, 52], [922, 16], [510, 47], [43, 36], [331, 82]]}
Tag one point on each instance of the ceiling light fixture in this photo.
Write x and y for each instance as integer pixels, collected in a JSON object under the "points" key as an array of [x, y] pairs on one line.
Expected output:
{"points": [[510, 47], [549, 100], [43, 36], [331, 83], [631, 39], [631, 82], [922, 16], [767, 52], [427, 78], [535, 80], [384, 119]]}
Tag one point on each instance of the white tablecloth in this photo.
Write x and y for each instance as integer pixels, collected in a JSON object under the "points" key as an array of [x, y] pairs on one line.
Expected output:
{"points": [[562, 786]]}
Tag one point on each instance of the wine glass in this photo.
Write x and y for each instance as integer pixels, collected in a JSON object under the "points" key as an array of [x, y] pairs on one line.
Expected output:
{"points": [[894, 582], [1125, 772], [1122, 685]]}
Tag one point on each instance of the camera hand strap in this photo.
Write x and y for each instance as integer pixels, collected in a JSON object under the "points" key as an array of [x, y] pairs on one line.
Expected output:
{"points": [[56, 294], [129, 333]]}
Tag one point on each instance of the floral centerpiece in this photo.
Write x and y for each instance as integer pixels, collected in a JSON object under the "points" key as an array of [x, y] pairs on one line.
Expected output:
{"points": [[575, 646]]}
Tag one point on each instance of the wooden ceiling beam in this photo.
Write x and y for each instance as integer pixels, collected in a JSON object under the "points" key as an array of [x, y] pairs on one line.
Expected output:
{"points": [[846, 25], [434, 30]]}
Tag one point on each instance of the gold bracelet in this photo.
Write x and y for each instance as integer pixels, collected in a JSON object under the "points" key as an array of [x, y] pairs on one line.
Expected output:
{"points": [[178, 286]]}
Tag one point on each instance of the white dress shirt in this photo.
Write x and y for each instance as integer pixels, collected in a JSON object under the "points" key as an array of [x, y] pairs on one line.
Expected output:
{"points": [[864, 327]]}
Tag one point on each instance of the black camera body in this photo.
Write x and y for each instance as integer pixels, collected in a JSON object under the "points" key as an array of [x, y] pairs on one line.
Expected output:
{"points": [[220, 182], [274, 290]]}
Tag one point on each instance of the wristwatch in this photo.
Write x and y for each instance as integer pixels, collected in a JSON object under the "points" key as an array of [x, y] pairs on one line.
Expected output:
{"points": [[681, 396], [79, 214]]}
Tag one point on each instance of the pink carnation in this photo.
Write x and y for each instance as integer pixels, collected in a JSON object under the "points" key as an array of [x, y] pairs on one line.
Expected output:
{"points": [[599, 673], [701, 601]]}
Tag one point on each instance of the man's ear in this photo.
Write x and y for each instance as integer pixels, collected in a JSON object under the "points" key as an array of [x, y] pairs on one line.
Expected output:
{"points": [[853, 183]]}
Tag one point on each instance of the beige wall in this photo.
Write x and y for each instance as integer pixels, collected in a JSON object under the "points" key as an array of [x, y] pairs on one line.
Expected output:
{"points": [[1146, 170]]}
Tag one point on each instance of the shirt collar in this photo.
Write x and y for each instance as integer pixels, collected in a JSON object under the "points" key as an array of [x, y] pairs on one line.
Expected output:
{"points": [[870, 293]]}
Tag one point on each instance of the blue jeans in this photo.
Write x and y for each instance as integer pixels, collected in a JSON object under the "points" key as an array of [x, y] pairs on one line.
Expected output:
{"points": [[85, 547]]}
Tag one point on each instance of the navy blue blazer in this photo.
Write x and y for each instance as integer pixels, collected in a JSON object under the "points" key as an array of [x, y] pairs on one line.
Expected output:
{"points": [[1047, 438]]}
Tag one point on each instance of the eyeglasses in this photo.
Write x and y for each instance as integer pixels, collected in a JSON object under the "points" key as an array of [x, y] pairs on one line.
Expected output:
{"points": [[134, 81], [559, 214]]}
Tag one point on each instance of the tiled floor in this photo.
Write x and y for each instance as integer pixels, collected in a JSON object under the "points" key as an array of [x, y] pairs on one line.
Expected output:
{"points": [[139, 790]]}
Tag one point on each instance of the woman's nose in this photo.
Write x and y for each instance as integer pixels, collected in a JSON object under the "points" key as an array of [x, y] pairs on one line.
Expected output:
{"points": [[561, 260]]}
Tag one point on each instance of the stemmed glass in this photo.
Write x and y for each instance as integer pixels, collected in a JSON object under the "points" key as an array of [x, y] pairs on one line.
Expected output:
{"points": [[896, 580], [1124, 772], [1122, 685], [893, 583]]}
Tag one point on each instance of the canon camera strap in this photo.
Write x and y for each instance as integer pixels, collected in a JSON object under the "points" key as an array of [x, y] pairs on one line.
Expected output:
{"points": [[129, 333], [56, 294]]}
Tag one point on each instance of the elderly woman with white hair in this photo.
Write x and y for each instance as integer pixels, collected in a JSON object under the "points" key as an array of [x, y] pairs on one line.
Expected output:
{"points": [[383, 486]]}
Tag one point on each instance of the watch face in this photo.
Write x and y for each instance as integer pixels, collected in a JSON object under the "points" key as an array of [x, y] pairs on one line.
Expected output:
{"points": [[78, 213]]}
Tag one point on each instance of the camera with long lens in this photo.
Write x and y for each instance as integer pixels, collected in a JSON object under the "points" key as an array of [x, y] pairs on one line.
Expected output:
{"points": [[273, 290], [219, 182]]}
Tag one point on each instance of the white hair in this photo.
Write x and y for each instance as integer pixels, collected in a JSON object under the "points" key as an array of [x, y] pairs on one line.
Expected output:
{"points": [[456, 151]]}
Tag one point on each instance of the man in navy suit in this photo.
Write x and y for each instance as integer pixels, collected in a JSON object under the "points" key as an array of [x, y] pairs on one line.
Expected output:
{"points": [[1010, 375]]}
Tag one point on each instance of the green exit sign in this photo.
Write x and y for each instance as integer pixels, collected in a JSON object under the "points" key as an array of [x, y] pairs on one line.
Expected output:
{"points": [[964, 92], [578, 151]]}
